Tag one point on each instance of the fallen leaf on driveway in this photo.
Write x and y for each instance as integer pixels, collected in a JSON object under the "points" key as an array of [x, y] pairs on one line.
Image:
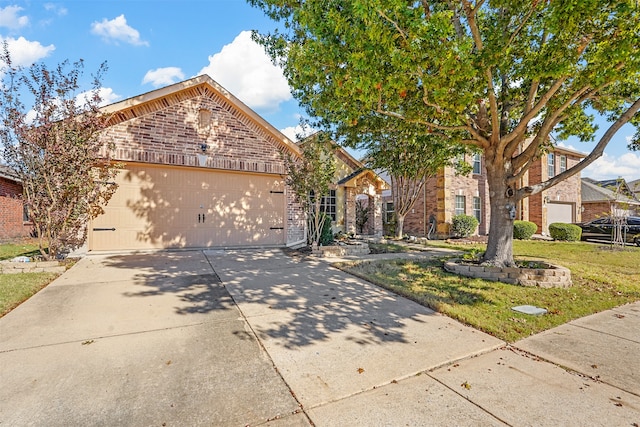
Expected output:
{"points": [[360, 370], [87, 342], [466, 385]]}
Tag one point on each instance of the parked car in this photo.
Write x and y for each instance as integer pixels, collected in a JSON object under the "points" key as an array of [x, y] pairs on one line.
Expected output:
{"points": [[602, 229]]}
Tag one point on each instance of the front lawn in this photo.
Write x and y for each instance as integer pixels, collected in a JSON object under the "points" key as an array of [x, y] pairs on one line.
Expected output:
{"points": [[16, 288], [602, 278]]}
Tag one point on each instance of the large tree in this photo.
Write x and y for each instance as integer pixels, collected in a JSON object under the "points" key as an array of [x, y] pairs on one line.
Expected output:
{"points": [[499, 75], [53, 146]]}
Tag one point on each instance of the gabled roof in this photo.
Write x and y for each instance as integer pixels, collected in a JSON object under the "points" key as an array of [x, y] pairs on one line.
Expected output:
{"points": [[359, 169], [197, 86], [614, 185], [592, 192], [341, 153], [350, 180]]}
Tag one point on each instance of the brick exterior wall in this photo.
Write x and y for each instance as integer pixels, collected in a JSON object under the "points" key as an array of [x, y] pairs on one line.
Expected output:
{"points": [[169, 131], [567, 191], [439, 195], [437, 199], [11, 211], [595, 210]]}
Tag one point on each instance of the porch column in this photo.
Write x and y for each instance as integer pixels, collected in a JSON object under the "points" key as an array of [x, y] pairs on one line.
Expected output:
{"points": [[378, 230], [350, 210]]}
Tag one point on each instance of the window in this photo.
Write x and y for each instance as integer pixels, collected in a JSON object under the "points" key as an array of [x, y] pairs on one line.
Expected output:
{"points": [[477, 165], [477, 209], [388, 212], [328, 204], [551, 165], [25, 213], [460, 205], [563, 163]]}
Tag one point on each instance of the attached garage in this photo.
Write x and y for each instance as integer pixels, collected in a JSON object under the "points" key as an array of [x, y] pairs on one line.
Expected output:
{"points": [[161, 207], [560, 212], [200, 169]]}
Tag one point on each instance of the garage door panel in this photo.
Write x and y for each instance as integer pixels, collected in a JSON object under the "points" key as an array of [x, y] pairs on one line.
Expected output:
{"points": [[157, 207], [559, 212]]}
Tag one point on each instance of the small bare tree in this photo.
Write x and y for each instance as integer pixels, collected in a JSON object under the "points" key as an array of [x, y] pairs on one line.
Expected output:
{"points": [[54, 148]]}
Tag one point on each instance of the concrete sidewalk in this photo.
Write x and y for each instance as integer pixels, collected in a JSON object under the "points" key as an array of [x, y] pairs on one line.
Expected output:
{"points": [[157, 339], [354, 354]]}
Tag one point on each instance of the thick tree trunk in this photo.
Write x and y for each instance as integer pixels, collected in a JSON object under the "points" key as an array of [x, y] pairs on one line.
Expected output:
{"points": [[503, 212], [399, 225]]}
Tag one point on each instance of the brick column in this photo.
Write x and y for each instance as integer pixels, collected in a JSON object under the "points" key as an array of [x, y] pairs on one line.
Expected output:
{"points": [[350, 210], [377, 215]]}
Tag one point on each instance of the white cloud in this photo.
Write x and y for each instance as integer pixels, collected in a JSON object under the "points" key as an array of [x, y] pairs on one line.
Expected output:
{"points": [[24, 52], [163, 76], [245, 70], [298, 132], [10, 17], [611, 167], [117, 30], [108, 96], [57, 9]]}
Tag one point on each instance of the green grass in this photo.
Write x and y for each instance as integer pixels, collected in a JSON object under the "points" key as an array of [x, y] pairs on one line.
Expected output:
{"points": [[602, 278], [12, 250], [16, 288]]}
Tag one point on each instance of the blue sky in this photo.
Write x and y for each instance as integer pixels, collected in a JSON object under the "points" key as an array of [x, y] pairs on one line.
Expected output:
{"points": [[152, 43]]}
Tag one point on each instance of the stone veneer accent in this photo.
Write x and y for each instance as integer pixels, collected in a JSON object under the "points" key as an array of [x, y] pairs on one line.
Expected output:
{"points": [[552, 277], [333, 251]]}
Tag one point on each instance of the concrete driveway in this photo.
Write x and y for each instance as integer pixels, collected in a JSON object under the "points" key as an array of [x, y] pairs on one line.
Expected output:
{"points": [[157, 339], [138, 340]]}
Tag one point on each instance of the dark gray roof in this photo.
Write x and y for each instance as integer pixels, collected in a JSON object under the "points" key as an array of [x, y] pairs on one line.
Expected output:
{"points": [[592, 192]]}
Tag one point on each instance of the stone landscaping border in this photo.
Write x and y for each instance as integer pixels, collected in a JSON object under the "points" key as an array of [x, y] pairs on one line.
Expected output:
{"points": [[8, 267], [346, 249], [551, 276]]}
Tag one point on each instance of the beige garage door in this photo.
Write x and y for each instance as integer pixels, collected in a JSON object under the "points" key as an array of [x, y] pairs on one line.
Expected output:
{"points": [[162, 207], [559, 212]]}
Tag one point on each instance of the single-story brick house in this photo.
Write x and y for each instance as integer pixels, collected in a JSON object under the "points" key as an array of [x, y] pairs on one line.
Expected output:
{"points": [[603, 198], [13, 220], [203, 170]]}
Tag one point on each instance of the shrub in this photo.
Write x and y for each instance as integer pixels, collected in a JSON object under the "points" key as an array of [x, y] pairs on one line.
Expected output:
{"points": [[523, 230], [566, 232], [463, 225], [326, 235]]}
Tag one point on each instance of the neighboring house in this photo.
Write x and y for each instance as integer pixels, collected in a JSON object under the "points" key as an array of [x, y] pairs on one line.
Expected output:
{"points": [[201, 169], [634, 186], [602, 198], [13, 220], [560, 203], [448, 194]]}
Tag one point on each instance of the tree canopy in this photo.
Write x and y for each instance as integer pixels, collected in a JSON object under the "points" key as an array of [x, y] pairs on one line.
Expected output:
{"points": [[499, 75]]}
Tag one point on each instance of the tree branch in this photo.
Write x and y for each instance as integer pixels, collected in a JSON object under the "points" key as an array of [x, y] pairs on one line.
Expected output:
{"points": [[593, 156]]}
